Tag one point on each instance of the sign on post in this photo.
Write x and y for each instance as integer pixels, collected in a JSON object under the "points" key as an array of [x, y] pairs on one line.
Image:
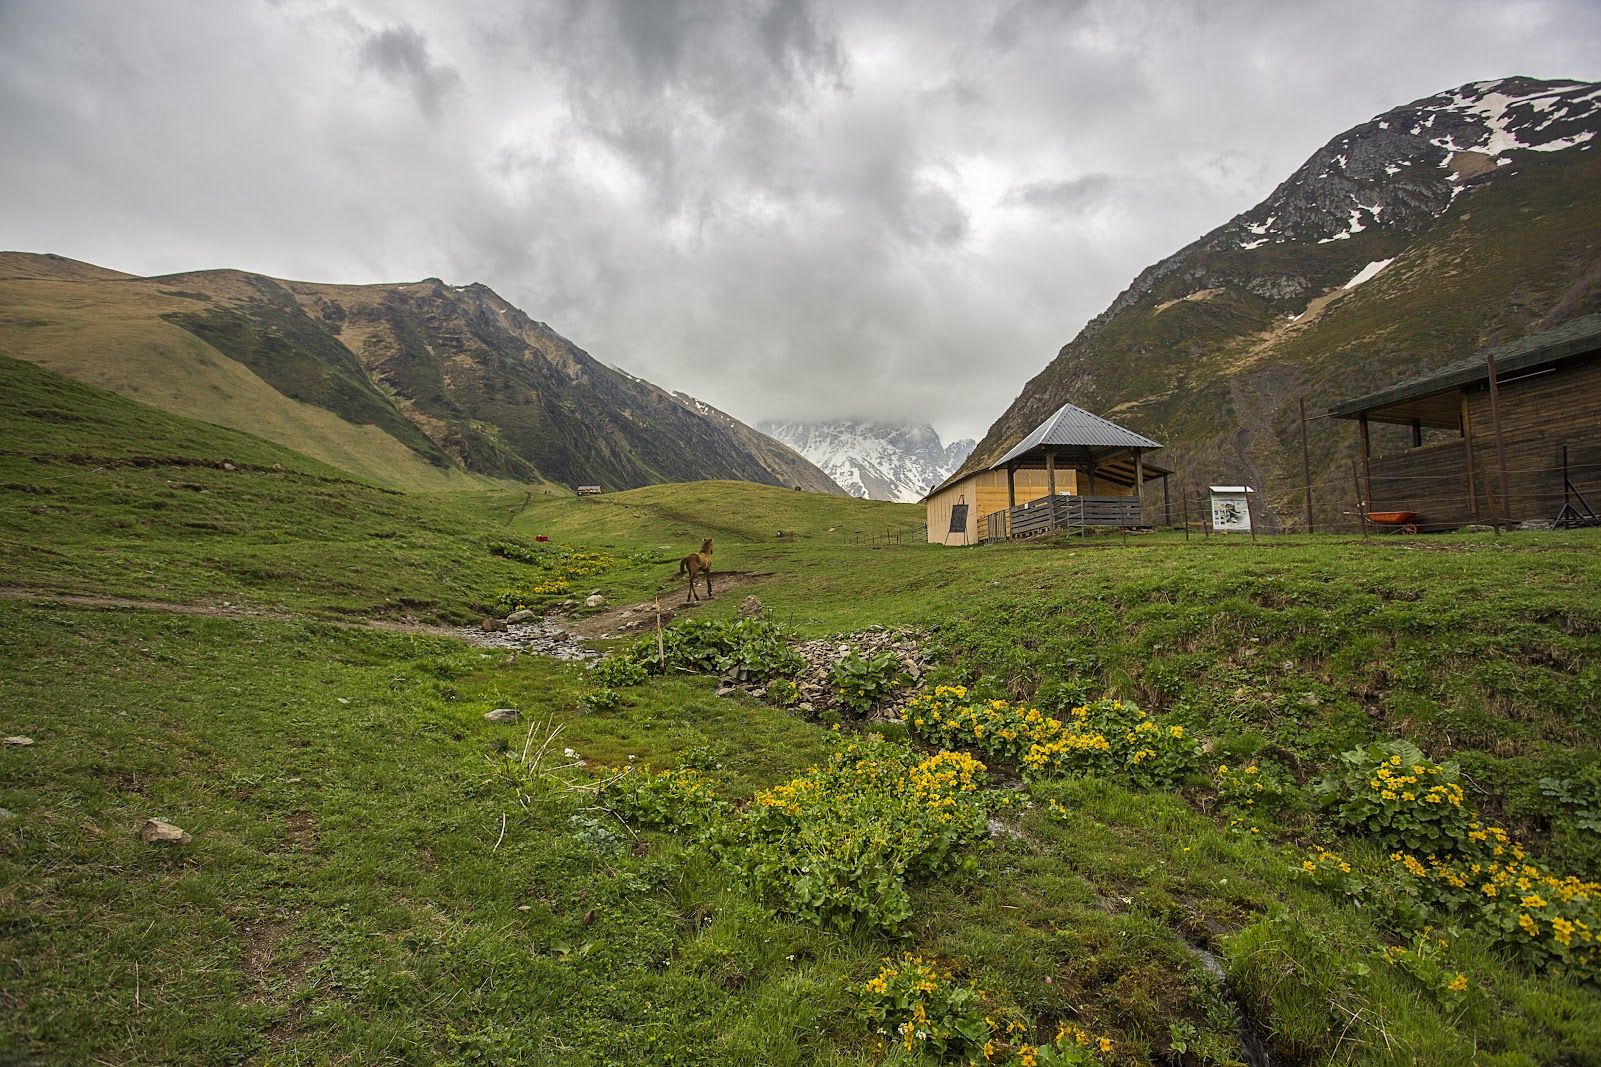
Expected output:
{"points": [[1231, 508]]}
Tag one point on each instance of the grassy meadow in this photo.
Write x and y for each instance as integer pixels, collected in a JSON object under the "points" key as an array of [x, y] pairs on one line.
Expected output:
{"points": [[379, 875]]}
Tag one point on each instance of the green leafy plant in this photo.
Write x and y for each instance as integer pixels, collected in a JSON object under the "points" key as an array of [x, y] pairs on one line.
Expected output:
{"points": [[783, 693], [860, 683], [1581, 795], [926, 1016], [759, 647], [600, 698], [1396, 794], [665, 799], [619, 672]]}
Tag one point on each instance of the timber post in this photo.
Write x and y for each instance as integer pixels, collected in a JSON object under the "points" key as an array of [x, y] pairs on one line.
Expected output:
{"points": [[1050, 482], [1139, 485], [1366, 490], [1306, 466], [1500, 443]]}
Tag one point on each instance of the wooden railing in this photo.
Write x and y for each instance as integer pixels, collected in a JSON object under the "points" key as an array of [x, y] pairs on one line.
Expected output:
{"points": [[1062, 513]]}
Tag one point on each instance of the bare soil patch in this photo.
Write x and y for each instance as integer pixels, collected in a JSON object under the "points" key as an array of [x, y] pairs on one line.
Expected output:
{"points": [[629, 620]]}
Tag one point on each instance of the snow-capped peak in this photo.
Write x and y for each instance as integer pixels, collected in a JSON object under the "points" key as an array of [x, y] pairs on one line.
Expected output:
{"points": [[875, 461]]}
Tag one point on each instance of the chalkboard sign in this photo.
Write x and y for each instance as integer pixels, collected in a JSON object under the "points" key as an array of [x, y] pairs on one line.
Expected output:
{"points": [[958, 518]]}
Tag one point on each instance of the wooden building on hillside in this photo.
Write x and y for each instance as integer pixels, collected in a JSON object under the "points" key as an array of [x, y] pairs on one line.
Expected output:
{"points": [[1075, 470], [1511, 434]]}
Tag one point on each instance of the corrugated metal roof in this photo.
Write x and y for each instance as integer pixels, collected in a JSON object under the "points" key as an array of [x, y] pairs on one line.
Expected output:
{"points": [[1074, 427], [1572, 338]]}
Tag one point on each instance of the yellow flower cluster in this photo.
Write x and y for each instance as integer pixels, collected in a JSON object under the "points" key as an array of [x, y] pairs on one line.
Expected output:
{"points": [[1392, 786], [1106, 737], [933, 1018], [1449, 860], [837, 843]]}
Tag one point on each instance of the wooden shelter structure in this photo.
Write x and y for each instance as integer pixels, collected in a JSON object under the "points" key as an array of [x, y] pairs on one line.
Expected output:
{"points": [[1510, 434], [1075, 470]]}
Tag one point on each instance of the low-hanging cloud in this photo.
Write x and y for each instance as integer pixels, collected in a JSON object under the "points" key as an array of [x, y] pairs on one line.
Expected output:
{"points": [[400, 54]]}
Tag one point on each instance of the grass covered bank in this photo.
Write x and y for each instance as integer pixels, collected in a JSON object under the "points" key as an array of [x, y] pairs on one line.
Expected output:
{"points": [[379, 875]]}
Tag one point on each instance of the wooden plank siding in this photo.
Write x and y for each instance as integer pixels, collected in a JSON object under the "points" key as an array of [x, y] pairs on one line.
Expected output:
{"points": [[1447, 482], [985, 493]]}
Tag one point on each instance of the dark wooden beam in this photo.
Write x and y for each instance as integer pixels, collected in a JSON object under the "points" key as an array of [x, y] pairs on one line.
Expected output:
{"points": [[1050, 481], [1500, 443], [1367, 474]]}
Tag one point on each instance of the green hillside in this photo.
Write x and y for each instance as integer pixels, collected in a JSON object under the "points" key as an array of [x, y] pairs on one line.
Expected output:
{"points": [[379, 874], [1211, 350], [420, 386]]}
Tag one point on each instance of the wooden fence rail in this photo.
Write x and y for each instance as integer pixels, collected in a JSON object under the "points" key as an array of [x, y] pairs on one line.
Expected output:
{"points": [[1062, 513]]}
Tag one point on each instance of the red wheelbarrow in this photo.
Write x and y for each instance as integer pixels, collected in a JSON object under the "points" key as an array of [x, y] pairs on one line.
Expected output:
{"points": [[1399, 519]]}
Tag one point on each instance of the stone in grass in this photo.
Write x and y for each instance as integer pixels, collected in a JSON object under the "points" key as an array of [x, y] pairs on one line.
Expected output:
{"points": [[502, 715], [519, 616], [17, 740], [595, 600], [751, 608], [162, 832], [493, 625]]}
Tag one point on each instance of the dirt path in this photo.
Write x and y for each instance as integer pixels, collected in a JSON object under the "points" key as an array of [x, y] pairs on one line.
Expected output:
{"points": [[554, 635], [471, 634], [625, 620]]}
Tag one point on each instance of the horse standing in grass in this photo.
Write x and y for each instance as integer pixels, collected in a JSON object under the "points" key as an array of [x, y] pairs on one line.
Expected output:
{"points": [[696, 564]]}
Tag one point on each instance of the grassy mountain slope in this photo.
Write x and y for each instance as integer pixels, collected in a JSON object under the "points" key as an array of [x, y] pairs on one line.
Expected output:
{"points": [[421, 386], [1209, 350], [377, 874], [110, 332]]}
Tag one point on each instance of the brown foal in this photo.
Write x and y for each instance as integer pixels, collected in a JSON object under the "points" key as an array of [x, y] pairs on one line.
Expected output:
{"points": [[695, 564]]}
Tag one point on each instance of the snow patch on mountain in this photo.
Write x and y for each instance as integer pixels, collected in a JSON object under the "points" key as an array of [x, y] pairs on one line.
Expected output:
{"points": [[874, 461], [1404, 168]]}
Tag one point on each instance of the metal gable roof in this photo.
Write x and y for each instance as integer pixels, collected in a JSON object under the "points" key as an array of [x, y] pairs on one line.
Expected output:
{"points": [[1074, 427]]}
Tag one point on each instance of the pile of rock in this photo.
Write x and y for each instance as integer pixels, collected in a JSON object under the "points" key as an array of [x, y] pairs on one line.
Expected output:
{"points": [[522, 631], [817, 695]]}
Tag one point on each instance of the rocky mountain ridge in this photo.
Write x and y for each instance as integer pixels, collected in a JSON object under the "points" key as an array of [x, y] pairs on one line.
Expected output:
{"points": [[1454, 222], [874, 460], [458, 376]]}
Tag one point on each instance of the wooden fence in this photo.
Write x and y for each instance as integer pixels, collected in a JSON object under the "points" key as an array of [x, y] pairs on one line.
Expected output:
{"points": [[1061, 513]]}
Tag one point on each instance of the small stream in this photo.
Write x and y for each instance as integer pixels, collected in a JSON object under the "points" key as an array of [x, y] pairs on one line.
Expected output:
{"points": [[1253, 1048], [538, 636]]}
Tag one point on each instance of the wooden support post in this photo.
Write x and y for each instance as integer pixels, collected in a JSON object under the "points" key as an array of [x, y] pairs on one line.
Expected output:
{"points": [[1167, 504], [1489, 499], [1467, 445], [1184, 504], [1090, 470], [1306, 466], [1361, 505], [1366, 489], [1011, 485], [1500, 444], [1417, 433], [1050, 482], [1139, 486]]}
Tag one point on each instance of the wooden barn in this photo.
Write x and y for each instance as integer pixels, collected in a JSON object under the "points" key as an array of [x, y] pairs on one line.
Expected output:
{"points": [[1074, 470], [1510, 434]]}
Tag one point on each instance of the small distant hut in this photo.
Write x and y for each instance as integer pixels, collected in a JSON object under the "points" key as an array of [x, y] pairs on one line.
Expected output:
{"points": [[1073, 471], [1512, 434]]}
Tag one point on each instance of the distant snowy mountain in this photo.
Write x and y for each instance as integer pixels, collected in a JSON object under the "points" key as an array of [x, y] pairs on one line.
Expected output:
{"points": [[875, 461]]}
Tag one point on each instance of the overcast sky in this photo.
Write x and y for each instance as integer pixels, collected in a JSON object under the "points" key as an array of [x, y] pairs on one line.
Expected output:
{"points": [[898, 210]]}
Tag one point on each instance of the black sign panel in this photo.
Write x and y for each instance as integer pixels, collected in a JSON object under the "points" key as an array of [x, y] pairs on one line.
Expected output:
{"points": [[958, 518]]}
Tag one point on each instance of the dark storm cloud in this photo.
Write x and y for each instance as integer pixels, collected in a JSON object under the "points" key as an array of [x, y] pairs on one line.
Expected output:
{"points": [[400, 54], [1072, 195], [791, 209]]}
